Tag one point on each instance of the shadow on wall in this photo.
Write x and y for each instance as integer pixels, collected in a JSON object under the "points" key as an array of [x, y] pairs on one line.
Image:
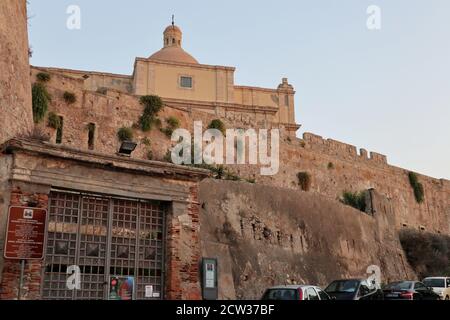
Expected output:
{"points": [[427, 253], [265, 236]]}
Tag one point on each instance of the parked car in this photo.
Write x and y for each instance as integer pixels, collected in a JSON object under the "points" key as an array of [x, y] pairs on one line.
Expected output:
{"points": [[353, 289], [409, 290], [440, 285], [295, 292]]}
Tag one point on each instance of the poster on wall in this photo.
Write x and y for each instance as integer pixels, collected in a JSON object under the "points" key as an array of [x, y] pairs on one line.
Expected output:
{"points": [[121, 288]]}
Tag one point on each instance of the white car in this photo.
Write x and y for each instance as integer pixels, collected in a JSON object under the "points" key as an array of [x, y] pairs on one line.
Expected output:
{"points": [[295, 292], [440, 285]]}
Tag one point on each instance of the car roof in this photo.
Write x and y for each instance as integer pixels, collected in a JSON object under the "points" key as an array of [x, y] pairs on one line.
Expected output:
{"points": [[353, 279], [292, 286], [439, 278]]}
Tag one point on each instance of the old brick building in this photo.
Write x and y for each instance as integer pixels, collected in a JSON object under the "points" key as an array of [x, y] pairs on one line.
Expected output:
{"points": [[108, 214]]}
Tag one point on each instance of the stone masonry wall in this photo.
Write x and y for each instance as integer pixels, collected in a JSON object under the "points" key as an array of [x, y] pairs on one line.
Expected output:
{"points": [[334, 166], [265, 236], [15, 89]]}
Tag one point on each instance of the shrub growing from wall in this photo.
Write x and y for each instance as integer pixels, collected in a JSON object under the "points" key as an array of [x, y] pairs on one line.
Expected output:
{"points": [[54, 121], [40, 101], [417, 187], [356, 200], [69, 97], [152, 106], [219, 125], [125, 134], [304, 180], [427, 253], [43, 77]]}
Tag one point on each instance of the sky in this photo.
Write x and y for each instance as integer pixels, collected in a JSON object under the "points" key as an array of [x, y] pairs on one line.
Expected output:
{"points": [[385, 90]]}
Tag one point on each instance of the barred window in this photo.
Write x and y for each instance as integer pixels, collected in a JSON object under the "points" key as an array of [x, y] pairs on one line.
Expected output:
{"points": [[186, 82]]}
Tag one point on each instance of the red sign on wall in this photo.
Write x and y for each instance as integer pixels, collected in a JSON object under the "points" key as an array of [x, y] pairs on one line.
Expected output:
{"points": [[25, 234]]}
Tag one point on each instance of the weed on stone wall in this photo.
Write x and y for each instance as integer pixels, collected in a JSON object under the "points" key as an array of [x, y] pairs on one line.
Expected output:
{"points": [[40, 101], [172, 124], [427, 253], [54, 121], [152, 106], [356, 200], [417, 187], [125, 134], [69, 97], [43, 77], [218, 125], [304, 180]]}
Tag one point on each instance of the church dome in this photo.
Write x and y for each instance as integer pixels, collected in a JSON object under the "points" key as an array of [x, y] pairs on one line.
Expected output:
{"points": [[172, 50]]}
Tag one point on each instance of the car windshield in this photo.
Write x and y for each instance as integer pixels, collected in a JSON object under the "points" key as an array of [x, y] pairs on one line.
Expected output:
{"points": [[434, 283], [348, 286], [281, 294], [403, 285]]}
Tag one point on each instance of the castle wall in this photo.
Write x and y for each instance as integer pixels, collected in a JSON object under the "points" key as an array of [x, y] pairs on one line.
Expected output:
{"points": [[265, 236], [334, 166], [15, 90]]}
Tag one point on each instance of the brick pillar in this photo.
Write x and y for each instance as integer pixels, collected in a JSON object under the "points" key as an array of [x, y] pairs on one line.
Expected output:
{"points": [[183, 250], [33, 269]]}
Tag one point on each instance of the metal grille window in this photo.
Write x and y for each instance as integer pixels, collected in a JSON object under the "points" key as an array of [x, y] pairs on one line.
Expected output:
{"points": [[105, 237], [186, 82]]}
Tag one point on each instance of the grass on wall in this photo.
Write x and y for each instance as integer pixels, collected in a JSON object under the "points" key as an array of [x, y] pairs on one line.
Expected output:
{"points": [[304, 180], [125, 134], [40, 101], [152, 106], [172, 124], [356, 200], [54, 121], [417, 187], [69, 97], [43, 77], [218, 125]]}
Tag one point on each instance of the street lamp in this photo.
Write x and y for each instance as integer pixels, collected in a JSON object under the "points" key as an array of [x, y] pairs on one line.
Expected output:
{"points": [[127, 147]]}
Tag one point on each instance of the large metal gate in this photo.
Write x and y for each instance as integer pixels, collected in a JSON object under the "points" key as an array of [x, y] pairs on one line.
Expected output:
{"points": [[105, 237]]}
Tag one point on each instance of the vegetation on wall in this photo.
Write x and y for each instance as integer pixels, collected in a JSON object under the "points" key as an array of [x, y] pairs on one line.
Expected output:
{"points": [[417, 187], [125, 134], [43, 77], [69, 97], [304, 180], [427, 253], [356, 200], [219, 125], [40, 101], [152, 106], [330, 165], [54, 121], [172, 124]]}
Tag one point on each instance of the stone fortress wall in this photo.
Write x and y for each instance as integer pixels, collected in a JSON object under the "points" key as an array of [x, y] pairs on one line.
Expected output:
{"points": [[334, 166], [15, 93]]}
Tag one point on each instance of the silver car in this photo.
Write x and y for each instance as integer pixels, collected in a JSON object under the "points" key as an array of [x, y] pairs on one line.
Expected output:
{"points": [[295, 292]]}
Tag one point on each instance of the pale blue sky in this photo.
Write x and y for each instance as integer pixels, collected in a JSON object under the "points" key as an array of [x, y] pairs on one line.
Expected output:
{"points": [[386, 91]]}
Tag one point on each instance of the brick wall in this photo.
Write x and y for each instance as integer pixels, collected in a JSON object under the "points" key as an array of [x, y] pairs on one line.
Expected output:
{"points": [[183, 253], [33, 269]]}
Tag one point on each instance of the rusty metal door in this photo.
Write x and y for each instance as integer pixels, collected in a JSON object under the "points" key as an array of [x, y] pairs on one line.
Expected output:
{"points": [[103, 237]]}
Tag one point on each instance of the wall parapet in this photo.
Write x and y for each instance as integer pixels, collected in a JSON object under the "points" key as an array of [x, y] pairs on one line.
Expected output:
{"points": [[341, 149]]}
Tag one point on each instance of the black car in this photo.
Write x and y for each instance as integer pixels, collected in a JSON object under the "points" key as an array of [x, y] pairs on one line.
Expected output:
{"points": [[353, 289], [409, 290]]}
